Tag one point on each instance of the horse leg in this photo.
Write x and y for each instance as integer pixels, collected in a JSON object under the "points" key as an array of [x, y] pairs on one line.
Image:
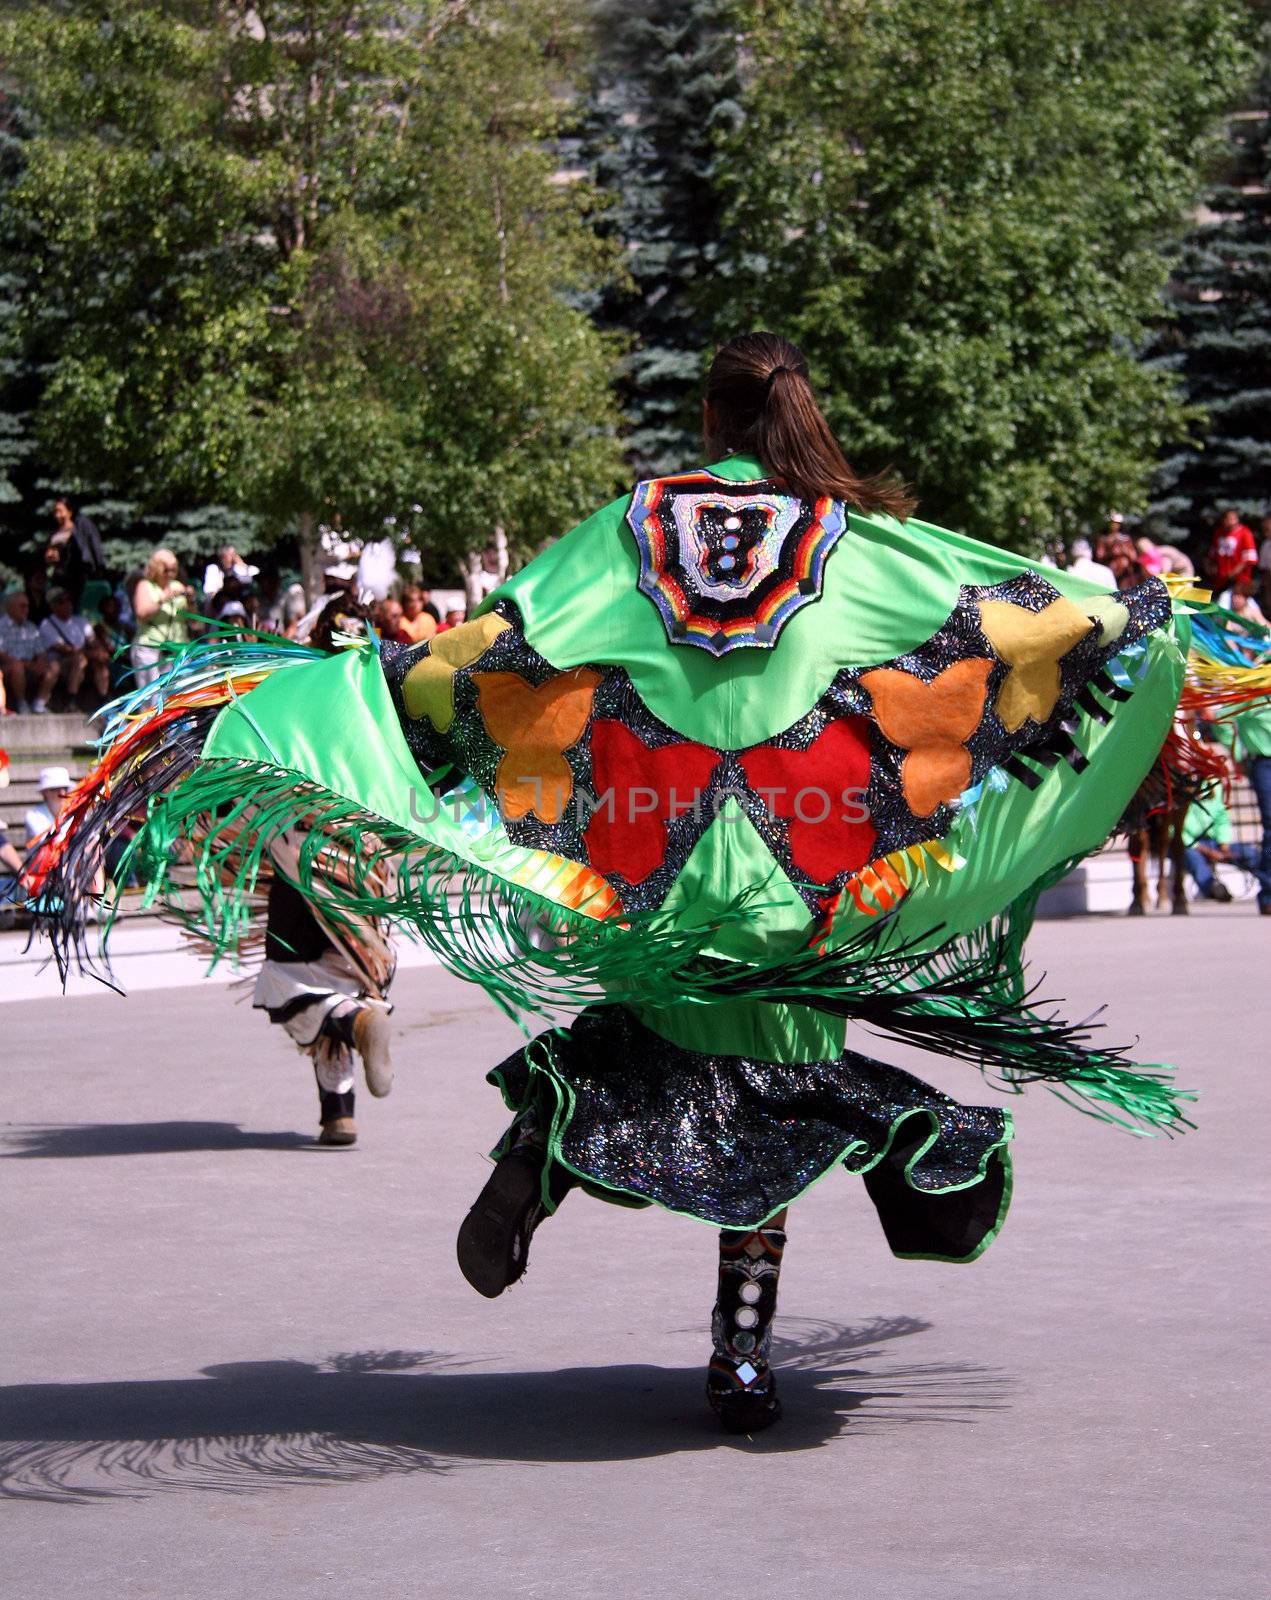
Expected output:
{"points": [[1137, 846], [1179, 906]]}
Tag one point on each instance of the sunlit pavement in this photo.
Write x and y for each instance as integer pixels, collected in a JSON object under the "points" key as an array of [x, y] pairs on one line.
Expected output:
{"points": [[236, 1364]]}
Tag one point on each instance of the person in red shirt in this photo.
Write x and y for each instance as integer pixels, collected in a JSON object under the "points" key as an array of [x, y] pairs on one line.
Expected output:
{"points": [[1232, 552]]}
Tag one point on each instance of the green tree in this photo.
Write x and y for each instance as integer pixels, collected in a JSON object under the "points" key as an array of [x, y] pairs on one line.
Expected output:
{"points": [[1219, 342], [666, 93], [959, 210], [245, 223]]}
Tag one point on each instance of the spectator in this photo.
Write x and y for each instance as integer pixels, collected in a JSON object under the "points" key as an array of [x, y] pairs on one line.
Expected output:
{"points": [[1253, 731], [233, 615], [67, 637], [1264, 563], [419, 616], [277, 611], [10, 867], [453, 620], [1172, 559], [54, 785], [1239, 598], [111, 637], [1149, 557], [1083, 565], [160, 601], [24, 662], [35, 585], [1117, 551], [228, 564], [337, 584], [1207, 841], [388, 621], [1232, 552], [75, 549], [10, 860]]}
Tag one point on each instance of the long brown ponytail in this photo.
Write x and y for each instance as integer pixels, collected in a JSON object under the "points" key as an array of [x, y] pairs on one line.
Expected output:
{"points": [[761, 401]]}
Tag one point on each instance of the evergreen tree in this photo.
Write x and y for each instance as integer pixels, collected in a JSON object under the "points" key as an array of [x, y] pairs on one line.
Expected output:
{"points": [[667, 90], [1219, 343]]}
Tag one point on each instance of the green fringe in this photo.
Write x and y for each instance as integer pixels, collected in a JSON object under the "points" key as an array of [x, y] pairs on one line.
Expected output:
{"points": [[964, 997]]}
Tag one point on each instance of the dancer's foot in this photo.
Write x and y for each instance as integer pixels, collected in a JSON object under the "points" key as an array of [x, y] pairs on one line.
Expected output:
{"points": [[740, 1385], [743, 1395], [339, 1131], [371, 1039], [494, 1238]]}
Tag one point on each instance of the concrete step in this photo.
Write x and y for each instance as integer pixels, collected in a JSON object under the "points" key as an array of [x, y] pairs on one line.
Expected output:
{"points": [[44, 738]]}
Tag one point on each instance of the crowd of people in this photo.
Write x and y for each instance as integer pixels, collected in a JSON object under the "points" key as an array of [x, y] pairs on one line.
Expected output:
{"points": [[75, 633], [1235, 564]]}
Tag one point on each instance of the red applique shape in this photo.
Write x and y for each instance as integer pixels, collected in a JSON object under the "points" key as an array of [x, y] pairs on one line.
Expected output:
{"points": [[637, 791], [827, 834]]}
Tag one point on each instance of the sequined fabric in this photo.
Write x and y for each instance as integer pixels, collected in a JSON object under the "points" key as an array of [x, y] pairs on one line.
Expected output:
{"points": [[901, 767], [730, 1140]]}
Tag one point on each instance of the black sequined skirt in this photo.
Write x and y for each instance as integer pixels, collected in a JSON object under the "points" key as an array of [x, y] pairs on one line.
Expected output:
{"points": [[730, 1140]]}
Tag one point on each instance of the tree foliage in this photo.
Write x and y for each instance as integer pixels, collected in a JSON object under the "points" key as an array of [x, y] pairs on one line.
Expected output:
{"points": [[960, 211], [1219, 342], [309, 257], [666, 93]]}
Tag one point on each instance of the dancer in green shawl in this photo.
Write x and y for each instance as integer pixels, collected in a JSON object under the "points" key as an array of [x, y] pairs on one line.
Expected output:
{"points": [[750, 755]]}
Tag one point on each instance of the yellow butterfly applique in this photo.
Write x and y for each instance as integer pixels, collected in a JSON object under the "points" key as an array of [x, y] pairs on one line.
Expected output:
{"points": [[428, 689], [1032, 644]]}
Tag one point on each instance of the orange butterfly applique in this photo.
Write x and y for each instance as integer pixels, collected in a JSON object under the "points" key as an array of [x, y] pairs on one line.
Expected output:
{"points": [[931, 721], [535, 726]]}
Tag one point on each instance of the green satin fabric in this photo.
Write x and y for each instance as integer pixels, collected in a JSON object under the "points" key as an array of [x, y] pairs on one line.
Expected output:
{"points": [[888, 587], [334, 724]]}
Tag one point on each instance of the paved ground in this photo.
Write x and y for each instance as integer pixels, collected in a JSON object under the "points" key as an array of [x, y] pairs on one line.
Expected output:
{"points": [[235, 1364]]}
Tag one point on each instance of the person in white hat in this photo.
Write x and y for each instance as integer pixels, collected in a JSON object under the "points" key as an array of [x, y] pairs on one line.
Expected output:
{"points": [[1083, 564], [55, 782]]}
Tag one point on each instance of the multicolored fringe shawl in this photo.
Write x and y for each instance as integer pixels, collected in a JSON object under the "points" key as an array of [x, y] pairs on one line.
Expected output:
{"points": [[964, 996], [1228, 673]]}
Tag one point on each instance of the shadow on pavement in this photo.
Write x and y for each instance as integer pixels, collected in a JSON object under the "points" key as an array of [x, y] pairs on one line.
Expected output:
{"points": [[249, 1426], [141, 1139]]}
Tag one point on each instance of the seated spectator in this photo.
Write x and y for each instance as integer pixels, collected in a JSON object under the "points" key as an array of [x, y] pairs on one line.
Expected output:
{"points": [[1170, 559], [233, 615], [25, 664], [388, 622], [35, 582], [277, 611], [1207, 841], [1083, 565], [1239, 598], [1149, 556], [67, 637], [453, 620], [419, 616], [228, 564], [107, 653], [10, 867], [54, 784]]}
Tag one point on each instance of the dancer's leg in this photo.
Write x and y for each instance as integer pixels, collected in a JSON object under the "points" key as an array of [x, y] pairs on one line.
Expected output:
{"points": [[740, 1384]]}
